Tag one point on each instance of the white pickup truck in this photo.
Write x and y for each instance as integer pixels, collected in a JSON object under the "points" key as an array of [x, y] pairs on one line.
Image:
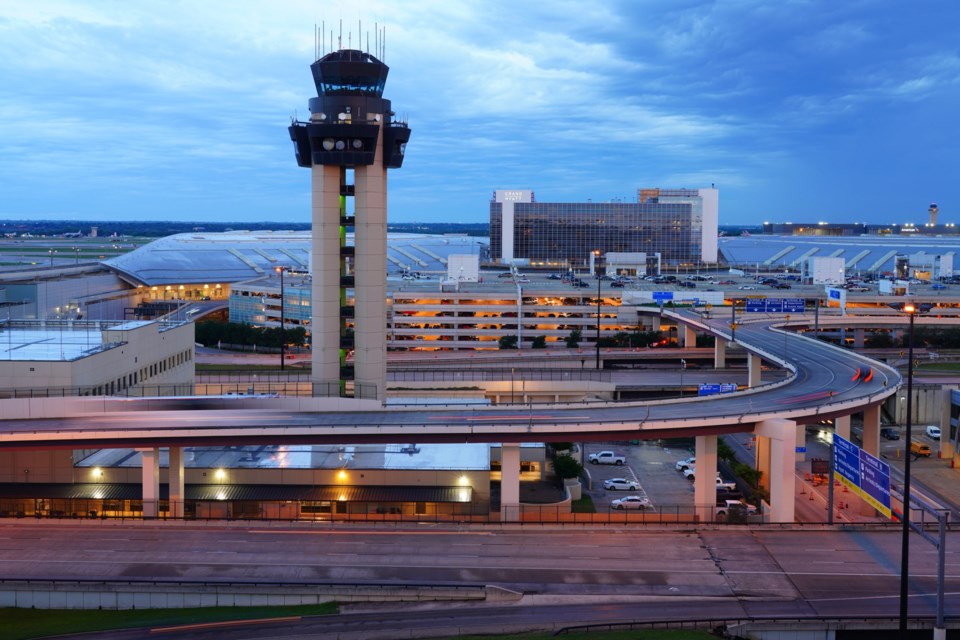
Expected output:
{"points": [[727, 509], [690, 473], [607, 457]]}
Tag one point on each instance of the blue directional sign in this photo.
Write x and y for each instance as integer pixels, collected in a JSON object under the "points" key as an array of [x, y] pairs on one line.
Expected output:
{"points": [[714, 389], [794, 305], [775, 305], [662, 296], [865, 475], [846, 463], [875, 482]]}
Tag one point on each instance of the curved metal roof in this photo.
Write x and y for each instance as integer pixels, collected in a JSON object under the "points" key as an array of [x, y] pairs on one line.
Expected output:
{"points": [[235, 256]]}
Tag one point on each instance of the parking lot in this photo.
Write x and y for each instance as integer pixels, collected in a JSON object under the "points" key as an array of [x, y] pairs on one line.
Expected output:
{"points": [[652, 464]]}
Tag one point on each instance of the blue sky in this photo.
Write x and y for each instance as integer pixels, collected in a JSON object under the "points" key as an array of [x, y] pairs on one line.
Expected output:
{"points": [[798, 110]]}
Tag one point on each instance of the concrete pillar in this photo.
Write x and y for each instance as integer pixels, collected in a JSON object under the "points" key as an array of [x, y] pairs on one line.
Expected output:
{"points": [[858, 338], [175, 482], [689, 336], [753, 370], [782, 472], [705, 484], [719, 354], [762, 461], [509, 482], [325, 264], [151, 481], [871, 444], [946, 444], [800, 445], [841, 427], [370, 290], [871, 430]]}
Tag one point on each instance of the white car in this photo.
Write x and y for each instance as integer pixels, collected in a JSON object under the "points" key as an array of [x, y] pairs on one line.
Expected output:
{"points": [[683, 464], [621, 484], [933, 431], [630, 502], [747, 287]]}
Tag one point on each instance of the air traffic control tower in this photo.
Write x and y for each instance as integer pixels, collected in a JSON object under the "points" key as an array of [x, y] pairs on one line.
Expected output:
{"points": [[348, 145]]}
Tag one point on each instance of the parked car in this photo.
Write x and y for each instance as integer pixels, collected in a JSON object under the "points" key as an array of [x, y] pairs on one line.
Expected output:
{"points": [[607, 457], [683, 464], [617, 283], [933, 431], [730, 509], [630, 502], [890, 433], [621, 484]]}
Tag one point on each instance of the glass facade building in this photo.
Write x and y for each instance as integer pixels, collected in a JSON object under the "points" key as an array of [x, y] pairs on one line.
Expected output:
{"points": [[565, 234]]}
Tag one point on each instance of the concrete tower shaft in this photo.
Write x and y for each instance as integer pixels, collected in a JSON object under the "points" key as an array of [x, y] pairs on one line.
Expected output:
{"points": [[351, 134]]}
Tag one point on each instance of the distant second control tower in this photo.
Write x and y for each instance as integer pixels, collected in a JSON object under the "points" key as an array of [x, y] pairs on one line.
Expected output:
{"points": [[348, 144]]}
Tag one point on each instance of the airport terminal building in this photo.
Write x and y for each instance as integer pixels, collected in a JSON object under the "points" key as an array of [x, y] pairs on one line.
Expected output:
{"points": [[678, 224]]}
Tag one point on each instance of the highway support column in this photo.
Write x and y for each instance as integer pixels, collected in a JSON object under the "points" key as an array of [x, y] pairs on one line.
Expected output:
{"points": [[946, 444], [510, 482], [841, 427], [704, 483], [871, 444], [175, 481], [150, 474], [719, 354], [753, 370], [779, 465], [689, 336]]}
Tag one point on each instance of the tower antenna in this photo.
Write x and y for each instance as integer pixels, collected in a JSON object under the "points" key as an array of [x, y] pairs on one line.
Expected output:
{"points": [[340, 37], [376, 38]]}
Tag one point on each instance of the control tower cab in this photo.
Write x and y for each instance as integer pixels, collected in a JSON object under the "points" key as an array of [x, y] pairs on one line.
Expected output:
{"points": [[348, 144]]}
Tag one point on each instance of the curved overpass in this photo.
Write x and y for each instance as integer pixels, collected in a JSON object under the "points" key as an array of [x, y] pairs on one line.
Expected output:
{"points": [[820, 387]]}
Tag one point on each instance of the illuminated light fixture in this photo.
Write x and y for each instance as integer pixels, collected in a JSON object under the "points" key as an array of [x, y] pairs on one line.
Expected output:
{"points": [[321, 116], [357, 143], [220, 474], [464, 481], [341, 145], [97, 472], [342, 475], [328, 144]]}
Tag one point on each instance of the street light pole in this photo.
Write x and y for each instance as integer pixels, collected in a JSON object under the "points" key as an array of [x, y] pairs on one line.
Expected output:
{"points": [[912, 310], [596, 253], [283, 337], [683, 367]]}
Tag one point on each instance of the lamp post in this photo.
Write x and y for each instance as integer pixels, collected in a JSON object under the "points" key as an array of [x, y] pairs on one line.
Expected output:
{"points": [[683, 367], [911, 310], [283, 337], [596, 253]]}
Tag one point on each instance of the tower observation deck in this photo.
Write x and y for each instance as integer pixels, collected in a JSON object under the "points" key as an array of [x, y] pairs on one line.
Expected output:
{"points": [[348, 144]]}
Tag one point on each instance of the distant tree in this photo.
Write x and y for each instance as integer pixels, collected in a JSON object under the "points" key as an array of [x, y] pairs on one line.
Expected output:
{"points": [[562, 446], [573, 340], [540, 342], [507, 342], [880, 340]]}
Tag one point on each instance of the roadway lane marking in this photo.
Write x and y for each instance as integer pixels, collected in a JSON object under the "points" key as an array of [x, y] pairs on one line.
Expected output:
{"points": [[226, 623], [375, 533]]}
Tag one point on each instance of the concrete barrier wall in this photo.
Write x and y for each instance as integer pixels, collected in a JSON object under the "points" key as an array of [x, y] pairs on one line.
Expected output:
{"points": [[52, 594]]}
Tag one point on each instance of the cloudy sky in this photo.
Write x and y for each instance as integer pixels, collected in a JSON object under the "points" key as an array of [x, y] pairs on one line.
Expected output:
{"points": [[798, 110]]}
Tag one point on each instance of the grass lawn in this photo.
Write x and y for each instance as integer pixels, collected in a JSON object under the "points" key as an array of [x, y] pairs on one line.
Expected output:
{"points": [[947, 367], [21, 624], [583, 505]]}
